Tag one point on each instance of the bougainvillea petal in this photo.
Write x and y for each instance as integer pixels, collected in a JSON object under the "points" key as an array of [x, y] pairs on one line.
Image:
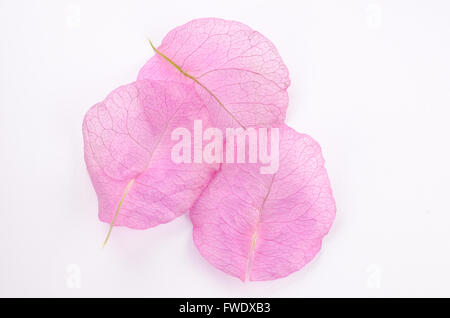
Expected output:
{"points": [[267, 226], [236, 71], [127, 143]]}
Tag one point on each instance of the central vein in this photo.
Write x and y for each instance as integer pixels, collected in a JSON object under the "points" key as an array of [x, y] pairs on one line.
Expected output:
{"points": [[255, 235], [127, 188], [117, 211], [196, 81]]}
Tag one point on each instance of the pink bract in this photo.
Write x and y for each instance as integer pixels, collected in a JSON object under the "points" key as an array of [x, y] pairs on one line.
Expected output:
{"points": [[127, 144], [247, 224], [266, 226], [236, 71]]}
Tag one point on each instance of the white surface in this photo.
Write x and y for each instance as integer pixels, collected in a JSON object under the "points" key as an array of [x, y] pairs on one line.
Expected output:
{"points": [[370, 82]]}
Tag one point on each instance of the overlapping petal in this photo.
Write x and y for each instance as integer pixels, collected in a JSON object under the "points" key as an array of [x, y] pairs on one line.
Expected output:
{"points": [[127, 142], [236, 71], [266, 226]]}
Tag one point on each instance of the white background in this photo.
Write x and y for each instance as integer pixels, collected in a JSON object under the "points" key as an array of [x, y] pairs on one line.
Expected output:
{"points": [[370, 82]]}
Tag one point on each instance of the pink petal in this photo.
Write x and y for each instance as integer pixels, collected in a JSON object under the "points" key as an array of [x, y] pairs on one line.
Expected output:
{"points": [[232, 64], [127, 144], [285, 214]]}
